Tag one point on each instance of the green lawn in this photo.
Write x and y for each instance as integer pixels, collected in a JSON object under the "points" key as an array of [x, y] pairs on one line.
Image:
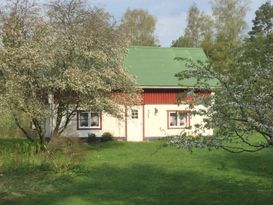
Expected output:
{"points": [[146, 173]]}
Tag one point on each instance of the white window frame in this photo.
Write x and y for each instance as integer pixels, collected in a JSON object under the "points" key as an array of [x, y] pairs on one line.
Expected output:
{"points": [[89, 127], [186, 124]]}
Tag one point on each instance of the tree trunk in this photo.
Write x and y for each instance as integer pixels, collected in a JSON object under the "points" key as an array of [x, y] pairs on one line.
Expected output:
{"points": [[40, 132]]}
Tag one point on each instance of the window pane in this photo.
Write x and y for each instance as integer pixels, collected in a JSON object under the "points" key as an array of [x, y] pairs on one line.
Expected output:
{"points": [[183, 119], [173, 119], [134, 114], [84, 119], [95, 119]]}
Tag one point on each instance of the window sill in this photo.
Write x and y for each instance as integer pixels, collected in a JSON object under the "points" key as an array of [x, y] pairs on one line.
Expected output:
{"points": [[89, 128], [178, 128]]}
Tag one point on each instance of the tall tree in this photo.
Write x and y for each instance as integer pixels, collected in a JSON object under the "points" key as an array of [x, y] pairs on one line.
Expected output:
{"points": [[198, 32], [139, 27], [218, 34], [191, 37], [229, 17], [259, 45], [241, 108], [263, 24], [51, 66]]}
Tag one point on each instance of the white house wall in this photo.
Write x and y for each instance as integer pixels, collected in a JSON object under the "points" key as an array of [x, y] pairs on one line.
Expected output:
{"points": [[109, 124], [155, 124], [156, 121]]}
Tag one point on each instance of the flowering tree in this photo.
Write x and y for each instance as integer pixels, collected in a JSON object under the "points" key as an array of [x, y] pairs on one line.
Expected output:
{"points": [[241, 110], [70, 58]]}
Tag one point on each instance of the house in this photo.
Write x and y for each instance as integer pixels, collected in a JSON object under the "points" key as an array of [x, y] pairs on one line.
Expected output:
{"points": [[160, 113]]}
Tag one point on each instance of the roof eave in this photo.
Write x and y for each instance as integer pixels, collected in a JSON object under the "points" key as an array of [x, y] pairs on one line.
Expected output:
{"points": [[170, 87], [164, 87]]}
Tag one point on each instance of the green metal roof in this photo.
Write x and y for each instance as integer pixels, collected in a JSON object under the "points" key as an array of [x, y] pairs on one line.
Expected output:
{"points": [[155, 66]]}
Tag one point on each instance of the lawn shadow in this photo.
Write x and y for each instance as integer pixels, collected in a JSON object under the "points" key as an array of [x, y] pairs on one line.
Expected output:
{"points": [[105, 145], [255, 164], [136, 185]]}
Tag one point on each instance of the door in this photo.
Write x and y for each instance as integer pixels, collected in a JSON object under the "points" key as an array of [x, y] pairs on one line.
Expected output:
{"points": [[135, 124]]}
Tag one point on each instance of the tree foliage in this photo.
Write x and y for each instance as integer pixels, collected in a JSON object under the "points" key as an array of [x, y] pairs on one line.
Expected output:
{"points": [[139, 27], [229, 18], [198, 32], [241, 108], [218, 34], [263, 24], [230, 25], [52, 65]]}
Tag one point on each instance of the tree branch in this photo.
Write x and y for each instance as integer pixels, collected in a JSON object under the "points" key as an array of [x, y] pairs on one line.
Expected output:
{"points": [[27, 135], [240, 149], [68, 119], [245, 141]]}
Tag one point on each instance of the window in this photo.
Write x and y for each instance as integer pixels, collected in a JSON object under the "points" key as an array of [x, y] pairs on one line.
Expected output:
{"points": [[89, 120], [178, 119], [134, 114]]}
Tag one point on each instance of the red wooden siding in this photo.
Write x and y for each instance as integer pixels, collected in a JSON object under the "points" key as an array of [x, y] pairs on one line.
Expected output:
{"points": [[160, 96], [166, 96]]}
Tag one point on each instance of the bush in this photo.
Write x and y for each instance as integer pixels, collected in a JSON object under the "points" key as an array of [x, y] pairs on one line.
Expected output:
{"points": [[67, 145], [64, 153], [91, 137], [107, 136]]}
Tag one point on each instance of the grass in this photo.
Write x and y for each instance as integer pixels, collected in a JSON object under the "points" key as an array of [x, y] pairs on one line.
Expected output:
{"points": [[143, 173], [8, 128]]}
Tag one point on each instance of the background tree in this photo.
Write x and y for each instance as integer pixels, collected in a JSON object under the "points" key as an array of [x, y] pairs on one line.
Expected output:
{"points": [[230, 25], [54, 65], [139, 27], [261, 37], [220, 34], [262, 24], [243, 102], [191, 38], [198, 32]]}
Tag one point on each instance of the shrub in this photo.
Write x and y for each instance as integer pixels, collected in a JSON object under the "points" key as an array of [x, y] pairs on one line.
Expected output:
{"points": [[107, 136], [91, 137], [67, 145], [63, 153]]}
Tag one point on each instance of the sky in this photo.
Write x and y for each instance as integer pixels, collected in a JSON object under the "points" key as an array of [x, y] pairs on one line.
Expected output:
{"points": [[171, 15]]}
